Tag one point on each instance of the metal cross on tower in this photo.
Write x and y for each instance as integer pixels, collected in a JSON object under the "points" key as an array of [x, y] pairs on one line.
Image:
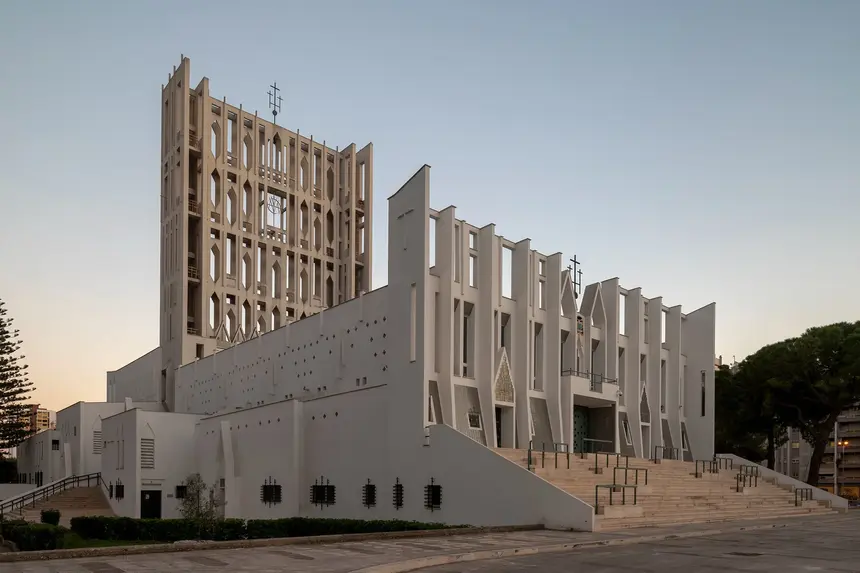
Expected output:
{"points": [[274, 101], [575, 276]]}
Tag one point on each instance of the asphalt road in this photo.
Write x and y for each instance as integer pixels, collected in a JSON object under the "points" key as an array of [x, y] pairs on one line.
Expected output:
{"points": [[824, 546]]}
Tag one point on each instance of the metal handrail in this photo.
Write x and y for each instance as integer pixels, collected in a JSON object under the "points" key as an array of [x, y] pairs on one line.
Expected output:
{"points": [[612, 488], [664, 450], [724, 463], [627, 471], [747, 480], [46, 491], [802, 494], [751, 470], [708, 466], [593, 376]]}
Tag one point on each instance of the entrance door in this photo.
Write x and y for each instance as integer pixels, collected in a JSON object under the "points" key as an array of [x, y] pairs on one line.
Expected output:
{"points": [[498, 427], [580, 428], [150, 504]]}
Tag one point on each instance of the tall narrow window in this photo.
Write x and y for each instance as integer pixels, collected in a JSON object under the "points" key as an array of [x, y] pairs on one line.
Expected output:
{"points": [[431, 242], [413, 322], [681, 392], [703, 392], [537, 359], [628, 435], [622, 314], [663, 386], [663, 316], [473, 271], [507, 270]]}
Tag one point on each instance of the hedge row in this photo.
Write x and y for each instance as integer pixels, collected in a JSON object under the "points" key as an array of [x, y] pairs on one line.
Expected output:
{"points": [[33, 536], [169, 530]]}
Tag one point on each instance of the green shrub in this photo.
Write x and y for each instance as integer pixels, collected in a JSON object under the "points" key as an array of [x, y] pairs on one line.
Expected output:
{"points": [[169, 530], [51, 516], [37, 536]]}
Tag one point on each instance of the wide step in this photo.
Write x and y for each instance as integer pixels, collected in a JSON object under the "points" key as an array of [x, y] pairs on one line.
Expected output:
{"points": [[674, 494]]}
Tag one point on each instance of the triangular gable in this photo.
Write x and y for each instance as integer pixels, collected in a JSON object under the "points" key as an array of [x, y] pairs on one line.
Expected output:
{"points": [[568, 296], [592, 305], [503, 384]]}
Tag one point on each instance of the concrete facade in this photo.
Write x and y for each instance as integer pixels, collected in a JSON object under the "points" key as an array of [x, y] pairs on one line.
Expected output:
{"points": [[260, 226], [383, 398]]}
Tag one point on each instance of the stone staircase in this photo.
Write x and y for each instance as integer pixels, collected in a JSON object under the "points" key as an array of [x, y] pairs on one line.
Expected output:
{"points": [[74, 502], [673, 495]]}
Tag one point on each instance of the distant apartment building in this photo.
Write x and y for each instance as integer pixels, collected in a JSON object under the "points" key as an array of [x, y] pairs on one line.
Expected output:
{"points": [[793, 457], [39, 419]]}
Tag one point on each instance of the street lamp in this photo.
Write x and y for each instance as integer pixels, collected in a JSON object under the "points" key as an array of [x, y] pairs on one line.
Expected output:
{"points": [[836, 444]]}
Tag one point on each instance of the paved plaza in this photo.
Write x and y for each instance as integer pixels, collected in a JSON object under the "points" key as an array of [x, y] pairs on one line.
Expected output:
{"points": [[814, 544], [826, 545]]}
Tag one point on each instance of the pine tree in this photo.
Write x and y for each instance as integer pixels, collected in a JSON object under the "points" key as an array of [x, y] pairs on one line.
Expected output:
{"points": [[14, 386]]}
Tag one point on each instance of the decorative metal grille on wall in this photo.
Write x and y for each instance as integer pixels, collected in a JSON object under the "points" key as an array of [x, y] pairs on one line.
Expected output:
{"points": [[270, 492], [504, 384], [322, 492], [368, 494], [433, 495], [398, 494]]}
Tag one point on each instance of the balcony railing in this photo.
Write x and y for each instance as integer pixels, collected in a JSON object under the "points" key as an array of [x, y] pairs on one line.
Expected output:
{"points": [[193, 140], [193, 206], [596, 381], [359, 204], [193, 273]]}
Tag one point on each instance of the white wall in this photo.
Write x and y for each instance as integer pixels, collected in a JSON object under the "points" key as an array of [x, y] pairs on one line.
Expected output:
{"points": [[345, 440], [173, 435], [246, 448], [139, 380], [36, 454], [119, 460], [174, 454], [10, 490], [335, 350]]}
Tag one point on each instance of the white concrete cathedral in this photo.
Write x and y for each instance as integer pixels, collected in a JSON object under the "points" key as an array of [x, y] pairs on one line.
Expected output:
{"points": [[476, 343]]}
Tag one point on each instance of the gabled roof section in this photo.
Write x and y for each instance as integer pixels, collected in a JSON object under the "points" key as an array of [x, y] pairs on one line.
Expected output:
{"points": [[568, 296], [592, 305]]}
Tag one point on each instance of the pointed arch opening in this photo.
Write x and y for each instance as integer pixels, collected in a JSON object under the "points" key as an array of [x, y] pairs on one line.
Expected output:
{"points": [[231, 325], [215, 139], [304, 180], [303, 286], [247, 319], [215, 188], [277, 280], [329, 184], [247, 145], [317, 234], [231, 206], [276, 318], [214, 312], [261, 325], [246, 271], [329, 292], [304, 218], [329, 227], [215, 263]]}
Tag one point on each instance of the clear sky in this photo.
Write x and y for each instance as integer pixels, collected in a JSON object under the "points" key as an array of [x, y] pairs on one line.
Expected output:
{"points": [[703, 150]]}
